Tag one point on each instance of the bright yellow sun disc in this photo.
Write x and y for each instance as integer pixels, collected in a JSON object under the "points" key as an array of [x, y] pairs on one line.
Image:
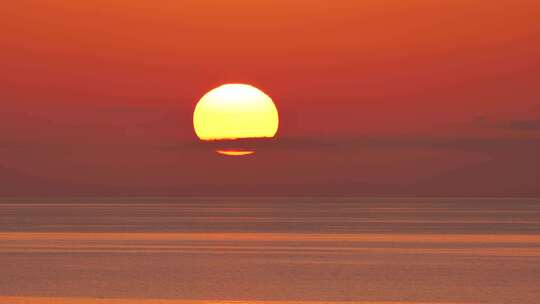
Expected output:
{"points": [[235, 111]]}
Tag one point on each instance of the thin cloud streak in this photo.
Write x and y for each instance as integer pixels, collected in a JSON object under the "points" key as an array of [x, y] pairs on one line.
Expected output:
{"points": [[466, 144], [522, 125]]}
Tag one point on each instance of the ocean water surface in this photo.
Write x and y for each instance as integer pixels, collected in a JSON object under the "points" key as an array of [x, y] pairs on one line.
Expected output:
{"points": [[269, 250]]}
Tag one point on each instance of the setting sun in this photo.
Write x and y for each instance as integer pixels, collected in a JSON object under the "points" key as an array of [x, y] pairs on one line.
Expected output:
{"points": [[235, 111]]}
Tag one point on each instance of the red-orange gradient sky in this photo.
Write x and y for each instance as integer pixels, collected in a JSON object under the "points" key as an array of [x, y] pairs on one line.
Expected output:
{"points": [[377, 97]]}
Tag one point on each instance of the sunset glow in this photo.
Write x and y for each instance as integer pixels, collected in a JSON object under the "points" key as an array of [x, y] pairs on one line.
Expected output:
{"points": [[270, 152]]}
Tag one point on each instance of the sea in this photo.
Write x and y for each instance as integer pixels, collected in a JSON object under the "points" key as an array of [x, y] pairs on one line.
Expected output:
{"points": [[269, 250]]}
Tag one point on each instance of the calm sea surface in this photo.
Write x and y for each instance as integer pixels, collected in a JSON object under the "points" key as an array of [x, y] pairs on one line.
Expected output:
{"points": [[269, 250]]}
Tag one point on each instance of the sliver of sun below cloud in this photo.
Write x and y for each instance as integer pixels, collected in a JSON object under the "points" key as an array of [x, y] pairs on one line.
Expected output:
{"points": [[235, 152]]}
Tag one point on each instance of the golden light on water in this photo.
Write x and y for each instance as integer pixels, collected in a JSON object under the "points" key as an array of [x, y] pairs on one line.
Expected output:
{"points": [[235, 111]]}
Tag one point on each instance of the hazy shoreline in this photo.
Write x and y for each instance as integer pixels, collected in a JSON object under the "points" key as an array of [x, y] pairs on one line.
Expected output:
{"points": [[37, 300]]}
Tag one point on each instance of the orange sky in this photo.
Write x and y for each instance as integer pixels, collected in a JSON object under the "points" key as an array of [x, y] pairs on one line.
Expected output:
{"points": [[376, 97]]}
